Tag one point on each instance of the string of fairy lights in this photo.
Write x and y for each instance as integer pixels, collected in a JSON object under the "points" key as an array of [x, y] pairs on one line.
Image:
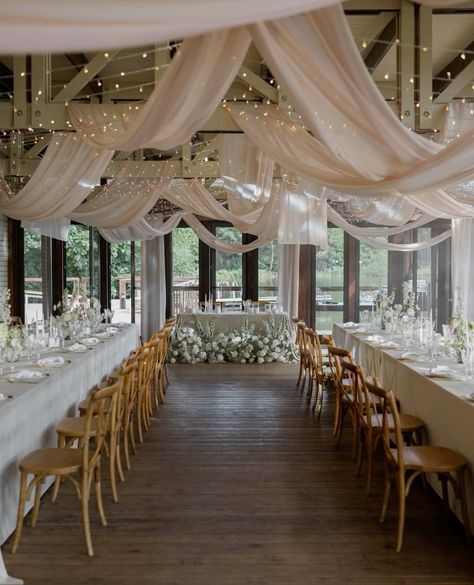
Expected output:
{"points": [[211, 160]]}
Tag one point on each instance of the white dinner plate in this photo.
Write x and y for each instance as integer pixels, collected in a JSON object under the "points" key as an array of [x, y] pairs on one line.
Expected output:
{"points": [[77, 348], [51, 362], [28, 376]]}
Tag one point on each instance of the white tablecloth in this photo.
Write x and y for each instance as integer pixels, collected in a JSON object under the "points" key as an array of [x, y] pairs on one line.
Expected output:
{"points": [[441, 404], [28, 419], [227, 322]]}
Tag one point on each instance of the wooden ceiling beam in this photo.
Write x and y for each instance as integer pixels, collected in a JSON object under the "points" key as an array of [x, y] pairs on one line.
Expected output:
{"points": [[453, 73], [367, 39], [86, 73], [381, 45]]}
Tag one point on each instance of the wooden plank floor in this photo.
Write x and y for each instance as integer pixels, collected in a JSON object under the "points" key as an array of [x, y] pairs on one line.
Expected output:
{"points": [[238, 483]]}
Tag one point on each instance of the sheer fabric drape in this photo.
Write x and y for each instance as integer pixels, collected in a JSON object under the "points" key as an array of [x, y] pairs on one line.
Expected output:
{"points": [[54, 26], [289, 144], [187, 95], [289, 277], [67, 173], [126, 199], [462, 251], [153, 286]]}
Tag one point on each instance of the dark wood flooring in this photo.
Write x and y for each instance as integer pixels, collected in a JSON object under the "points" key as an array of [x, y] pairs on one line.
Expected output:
{"points": [[238, 483]]}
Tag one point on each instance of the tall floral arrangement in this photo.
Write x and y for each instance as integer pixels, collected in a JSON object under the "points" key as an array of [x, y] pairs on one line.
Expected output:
{"points": [[461, 329], [10, 336], [76, 308]]}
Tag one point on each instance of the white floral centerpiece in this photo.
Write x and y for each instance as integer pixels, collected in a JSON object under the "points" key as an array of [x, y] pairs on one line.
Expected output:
{"points": [[383, 304], [462, 331], [76, 311], [11, 336], [198, 344]]}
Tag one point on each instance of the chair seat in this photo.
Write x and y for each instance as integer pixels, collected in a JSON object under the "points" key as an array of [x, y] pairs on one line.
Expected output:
{"points": [[52, 461], [431, 459], [73, 426], [407, 422]]}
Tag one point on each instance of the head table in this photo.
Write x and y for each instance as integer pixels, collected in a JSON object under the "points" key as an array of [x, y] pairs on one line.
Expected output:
{"points": [[29, 412], [239, 337], [444, 405]]}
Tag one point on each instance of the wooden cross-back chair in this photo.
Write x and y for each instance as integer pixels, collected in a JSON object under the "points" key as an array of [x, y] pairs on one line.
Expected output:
{"points": [[341, 385], [369, 421], [142, 410], [72, 429], [66, 462], [405, 463], [303, 351]]}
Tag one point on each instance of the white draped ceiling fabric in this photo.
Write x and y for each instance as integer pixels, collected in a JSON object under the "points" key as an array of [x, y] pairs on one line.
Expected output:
{"points": [[67, 173], [187, 95], [125, 200], [54, 26]]}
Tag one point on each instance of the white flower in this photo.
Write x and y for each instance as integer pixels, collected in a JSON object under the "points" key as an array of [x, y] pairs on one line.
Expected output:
{"points": [[173, 360], [242, 361], [220, 357], [260, 360]]}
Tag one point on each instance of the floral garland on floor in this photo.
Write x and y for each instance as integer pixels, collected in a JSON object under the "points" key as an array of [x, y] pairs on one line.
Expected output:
{"points": [[201, 344]]}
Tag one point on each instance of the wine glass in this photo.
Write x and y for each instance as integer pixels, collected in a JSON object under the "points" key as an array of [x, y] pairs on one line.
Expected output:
{"points": [[12, 356]]}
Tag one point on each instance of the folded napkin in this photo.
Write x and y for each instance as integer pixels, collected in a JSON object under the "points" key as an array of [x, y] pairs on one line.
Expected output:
{"points": [[389, 344], [78, 347], [445, 373], [412, 357], [349, 324], [360, 330], [112, 329], [90, 340], [122, 324], [54, 361], [25, 376], [104, 334]]}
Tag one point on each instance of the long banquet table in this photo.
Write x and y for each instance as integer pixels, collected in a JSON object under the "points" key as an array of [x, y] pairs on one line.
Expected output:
{"points": [[29, 414], [442, 404]]}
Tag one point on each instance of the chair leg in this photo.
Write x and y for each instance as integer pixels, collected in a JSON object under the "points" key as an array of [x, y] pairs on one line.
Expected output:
{"points": [[355, 442], [98, 495], [401, 510], [161, 384], [337, 414], [112, 469], [370, 465], [126, 444], [300, 373], [118, 459], [58, 480], [21, 511], [132, 437], [386, 493], [463, 501], [85, 492], [36, 505]]}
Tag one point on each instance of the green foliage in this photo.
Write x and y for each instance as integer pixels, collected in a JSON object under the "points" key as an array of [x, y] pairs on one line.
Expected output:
{"points": [[185, 253], [32, 255]]}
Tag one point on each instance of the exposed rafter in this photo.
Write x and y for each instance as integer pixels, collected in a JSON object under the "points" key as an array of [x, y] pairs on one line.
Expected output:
{"points": [[381, 45], [371, 33], [84, 76], [452, 78], [258, 84]]}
